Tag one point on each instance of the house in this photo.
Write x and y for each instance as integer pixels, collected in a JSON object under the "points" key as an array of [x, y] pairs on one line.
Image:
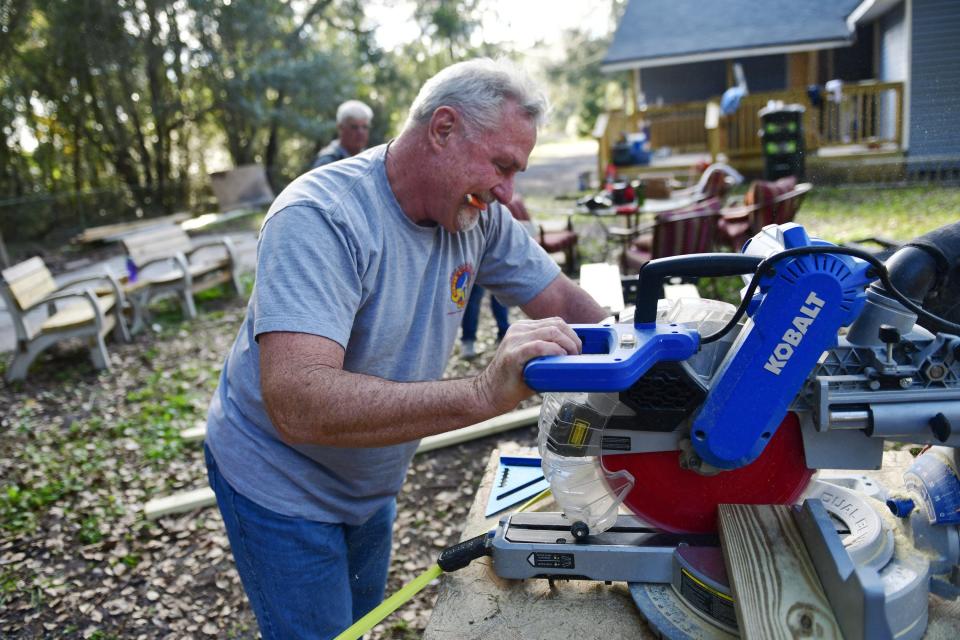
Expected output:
{"points": [[894, 110]]}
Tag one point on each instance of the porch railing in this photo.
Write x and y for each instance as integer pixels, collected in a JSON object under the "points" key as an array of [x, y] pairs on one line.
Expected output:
{"points": [[679, 126], [868, 114]]}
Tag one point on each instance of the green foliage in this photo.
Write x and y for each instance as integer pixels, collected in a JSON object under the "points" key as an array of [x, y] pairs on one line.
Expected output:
{"points": [[579, 86], [106, 108]]}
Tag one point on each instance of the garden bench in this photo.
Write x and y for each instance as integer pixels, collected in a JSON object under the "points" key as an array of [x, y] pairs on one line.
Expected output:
{"points": [[29, 286], [164, 261]]}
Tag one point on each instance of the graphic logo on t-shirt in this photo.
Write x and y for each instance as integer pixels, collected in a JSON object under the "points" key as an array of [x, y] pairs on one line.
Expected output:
{"points": [[458, 284]]}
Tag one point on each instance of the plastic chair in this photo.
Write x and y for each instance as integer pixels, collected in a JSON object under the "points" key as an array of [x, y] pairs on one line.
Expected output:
{"points": [[687, 230], [765, 203]]}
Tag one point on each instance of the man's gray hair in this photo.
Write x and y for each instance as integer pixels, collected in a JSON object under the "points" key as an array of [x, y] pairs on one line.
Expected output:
{"points": [[354, 109], [477, 89]]}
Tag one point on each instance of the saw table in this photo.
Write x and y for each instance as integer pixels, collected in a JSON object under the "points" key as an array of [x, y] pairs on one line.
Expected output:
{"points": [[474, 603]]}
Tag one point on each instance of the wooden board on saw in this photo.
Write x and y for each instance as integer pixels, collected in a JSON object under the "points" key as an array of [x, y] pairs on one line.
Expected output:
{"points": [[775, 586]]}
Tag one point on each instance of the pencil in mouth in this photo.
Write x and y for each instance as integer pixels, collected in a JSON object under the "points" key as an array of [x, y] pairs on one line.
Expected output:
{"points": [[475, 202]]}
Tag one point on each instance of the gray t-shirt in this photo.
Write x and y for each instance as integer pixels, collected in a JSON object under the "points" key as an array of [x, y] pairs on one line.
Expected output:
{"points": [[338, 258]]}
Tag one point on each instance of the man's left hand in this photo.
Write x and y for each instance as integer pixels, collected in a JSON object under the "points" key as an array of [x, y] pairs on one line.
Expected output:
{"points": [[501, 384]]}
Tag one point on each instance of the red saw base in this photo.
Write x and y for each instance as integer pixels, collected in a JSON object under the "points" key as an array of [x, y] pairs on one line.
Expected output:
{"points": [[681, 501]]}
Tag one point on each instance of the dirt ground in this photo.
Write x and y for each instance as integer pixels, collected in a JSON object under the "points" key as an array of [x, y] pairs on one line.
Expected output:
{"points": [[82, 451]]}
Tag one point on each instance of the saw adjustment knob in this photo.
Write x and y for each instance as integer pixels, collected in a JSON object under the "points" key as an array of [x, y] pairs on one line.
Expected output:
{"points": [[580, 530], [890, 336]]}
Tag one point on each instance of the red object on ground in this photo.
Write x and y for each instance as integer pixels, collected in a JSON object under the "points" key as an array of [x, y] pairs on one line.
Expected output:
{"points": [[609, 177], [682, 501]]}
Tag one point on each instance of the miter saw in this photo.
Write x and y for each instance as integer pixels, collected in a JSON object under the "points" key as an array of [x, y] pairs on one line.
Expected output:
{"points": [[693, 403]]}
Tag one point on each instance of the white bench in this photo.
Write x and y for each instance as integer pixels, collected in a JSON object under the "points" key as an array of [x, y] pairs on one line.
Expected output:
{"points": [[167, 262], [28, 287]]}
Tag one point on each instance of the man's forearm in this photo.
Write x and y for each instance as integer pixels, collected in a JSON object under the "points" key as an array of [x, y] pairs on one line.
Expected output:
{"points": [[564, 299], [312, 400], [338, 408]]}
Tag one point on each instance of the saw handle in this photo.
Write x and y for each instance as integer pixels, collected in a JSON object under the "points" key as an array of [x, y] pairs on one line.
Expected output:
{"points": [[652, 274], [463, 553]]}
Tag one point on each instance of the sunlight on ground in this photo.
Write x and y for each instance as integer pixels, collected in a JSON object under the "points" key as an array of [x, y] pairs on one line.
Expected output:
{"points": [[563, 149]]}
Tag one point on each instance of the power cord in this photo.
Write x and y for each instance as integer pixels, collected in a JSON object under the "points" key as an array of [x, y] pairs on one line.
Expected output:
{"points": [[453, 558], [879, 270]]}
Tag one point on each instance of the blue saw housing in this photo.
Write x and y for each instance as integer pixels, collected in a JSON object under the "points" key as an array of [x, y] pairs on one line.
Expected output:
{"points": [[794, 318]]}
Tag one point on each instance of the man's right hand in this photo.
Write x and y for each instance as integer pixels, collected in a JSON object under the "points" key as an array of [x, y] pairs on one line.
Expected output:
{"points": [[501, 384]]}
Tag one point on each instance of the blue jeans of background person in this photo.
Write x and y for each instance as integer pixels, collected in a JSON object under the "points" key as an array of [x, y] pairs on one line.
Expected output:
{"points": [[471, 315], [304, 579]]}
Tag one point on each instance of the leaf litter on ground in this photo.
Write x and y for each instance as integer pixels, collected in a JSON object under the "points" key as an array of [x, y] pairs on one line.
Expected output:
{"points": [[81, 451]]}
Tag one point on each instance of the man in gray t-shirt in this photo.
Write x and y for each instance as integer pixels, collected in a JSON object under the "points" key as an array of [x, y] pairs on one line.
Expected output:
{"points": [[364, 268]]}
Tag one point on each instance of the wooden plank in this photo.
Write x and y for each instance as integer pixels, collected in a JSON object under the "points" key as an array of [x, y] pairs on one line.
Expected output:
{"points": [[29, 281], [602, 282], [775, 587], [204, 497], [195, 433], [506, 422], [178, 503], [104, 232]]}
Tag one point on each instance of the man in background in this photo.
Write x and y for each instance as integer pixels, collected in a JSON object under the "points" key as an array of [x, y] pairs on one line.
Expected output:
{"points": [[353, 126]]}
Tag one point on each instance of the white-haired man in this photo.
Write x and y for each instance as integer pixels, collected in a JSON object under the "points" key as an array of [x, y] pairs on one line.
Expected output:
{"points": [[353, 129], [364, 269]]}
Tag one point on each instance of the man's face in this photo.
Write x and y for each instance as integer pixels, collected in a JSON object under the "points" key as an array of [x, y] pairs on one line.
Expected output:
{"points": [[354, 134], [482, 168]]}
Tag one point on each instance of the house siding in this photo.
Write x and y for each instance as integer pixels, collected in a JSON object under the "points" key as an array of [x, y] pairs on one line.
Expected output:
{"points": [[704, 80], [935, 82], [892, 65], [684, 82]]}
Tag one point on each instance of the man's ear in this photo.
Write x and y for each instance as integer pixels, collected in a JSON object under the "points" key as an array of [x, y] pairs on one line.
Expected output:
{"points": [[443, 123]]}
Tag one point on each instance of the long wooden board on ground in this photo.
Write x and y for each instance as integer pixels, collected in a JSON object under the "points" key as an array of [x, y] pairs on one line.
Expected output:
{"points": [[775, 586], [178, 503]]}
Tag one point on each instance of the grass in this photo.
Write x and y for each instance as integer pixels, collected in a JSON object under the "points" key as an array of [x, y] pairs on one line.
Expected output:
{"points": [[843, 214], [837, 214]]}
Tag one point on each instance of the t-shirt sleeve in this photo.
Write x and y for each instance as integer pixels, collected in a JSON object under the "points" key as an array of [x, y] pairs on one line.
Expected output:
{"points": [[514, 266], [307, 275]]}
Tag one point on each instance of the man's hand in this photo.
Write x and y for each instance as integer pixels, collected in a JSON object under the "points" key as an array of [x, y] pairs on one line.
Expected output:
{"points": [[501, 383]]}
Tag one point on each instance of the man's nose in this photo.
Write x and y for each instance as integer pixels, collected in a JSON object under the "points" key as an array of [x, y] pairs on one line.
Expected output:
{"points": [[503, 191]]}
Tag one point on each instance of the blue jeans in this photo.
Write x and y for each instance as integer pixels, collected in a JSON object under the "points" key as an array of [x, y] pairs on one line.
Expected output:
{"points": [[471, 315], [304, 579]]}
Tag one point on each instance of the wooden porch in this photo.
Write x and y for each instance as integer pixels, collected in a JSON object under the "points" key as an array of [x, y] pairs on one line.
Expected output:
{"points": [[867, 122]]}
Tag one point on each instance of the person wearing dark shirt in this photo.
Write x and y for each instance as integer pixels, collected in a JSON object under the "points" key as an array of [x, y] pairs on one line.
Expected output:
{"points": [[353, 126]]}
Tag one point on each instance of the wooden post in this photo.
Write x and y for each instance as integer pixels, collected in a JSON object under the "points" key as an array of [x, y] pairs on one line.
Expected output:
{"points": [[712, 125], [898, 134], [775, 587]]}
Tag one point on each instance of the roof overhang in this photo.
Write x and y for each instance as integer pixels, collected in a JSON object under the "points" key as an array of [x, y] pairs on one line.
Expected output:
{"points": [[869, 10], [724, 54]]}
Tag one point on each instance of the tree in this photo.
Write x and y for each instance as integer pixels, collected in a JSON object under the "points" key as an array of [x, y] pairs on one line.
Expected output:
{"points": [[109, 106], [580, 86]]}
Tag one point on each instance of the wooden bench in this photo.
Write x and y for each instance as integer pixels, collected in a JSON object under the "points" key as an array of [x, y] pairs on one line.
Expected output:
{"points": [[29, 286], [166, 262]]}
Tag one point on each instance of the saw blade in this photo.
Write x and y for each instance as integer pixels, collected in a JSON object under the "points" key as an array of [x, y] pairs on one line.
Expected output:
{"points": [[683, 501]]}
